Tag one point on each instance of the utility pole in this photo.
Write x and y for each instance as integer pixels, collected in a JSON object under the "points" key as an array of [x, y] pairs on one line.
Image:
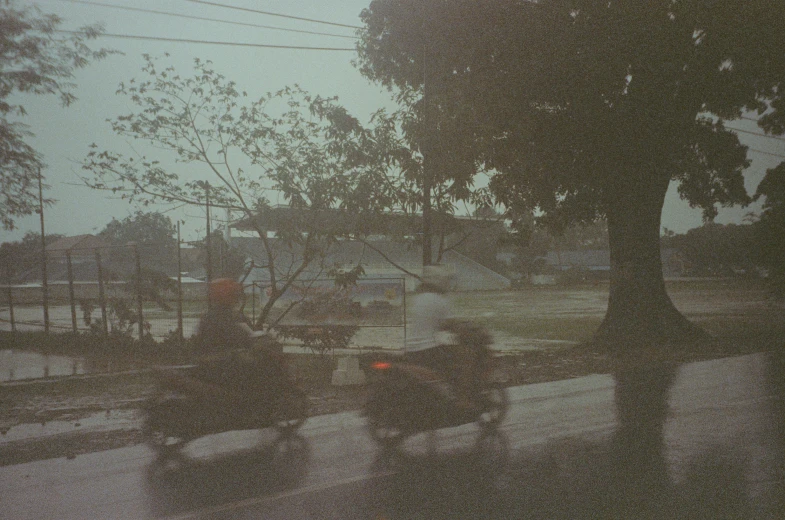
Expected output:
{"points": [[179, 288], [71, 291], [428, 146], [44, 282], [209, 269], [208, 240], [10, 295], [427, 214], [139, 295]]}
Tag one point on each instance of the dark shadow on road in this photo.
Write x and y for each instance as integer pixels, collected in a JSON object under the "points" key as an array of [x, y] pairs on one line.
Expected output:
{"points": [[179, 484], [776, 388], [460, 483], [622, 475]]}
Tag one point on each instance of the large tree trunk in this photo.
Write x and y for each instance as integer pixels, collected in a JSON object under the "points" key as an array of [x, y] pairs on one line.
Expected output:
{"points": [[640, 312]]}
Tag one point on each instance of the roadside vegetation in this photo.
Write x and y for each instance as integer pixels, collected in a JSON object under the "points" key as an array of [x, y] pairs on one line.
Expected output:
{"points": [[738, 314]]}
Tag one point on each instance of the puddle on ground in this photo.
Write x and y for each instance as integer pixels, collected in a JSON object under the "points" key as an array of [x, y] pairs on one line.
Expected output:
{"points": [[18, 364], [102, 421]]}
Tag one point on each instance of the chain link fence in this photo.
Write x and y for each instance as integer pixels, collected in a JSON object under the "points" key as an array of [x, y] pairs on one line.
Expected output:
{"points": [[124, 290], [106, 290], [370, 313]]}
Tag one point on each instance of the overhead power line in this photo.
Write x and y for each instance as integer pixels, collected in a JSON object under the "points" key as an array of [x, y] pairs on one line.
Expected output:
{"points": [[206, 19], [268, 13], [761, 134], [766, 153], [207, 42]]}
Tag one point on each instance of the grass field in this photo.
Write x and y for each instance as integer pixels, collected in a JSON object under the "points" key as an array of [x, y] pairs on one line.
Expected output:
{"points": [[734, 310], [731, 310]]}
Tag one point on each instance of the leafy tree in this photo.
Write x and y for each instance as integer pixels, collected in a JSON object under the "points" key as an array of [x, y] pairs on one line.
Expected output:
{"points": [[141, 228], [305, 150], [590, 109], [432, 176], [412, 198], [17, 258], [152, 234], [34, 59], [717, 249]]}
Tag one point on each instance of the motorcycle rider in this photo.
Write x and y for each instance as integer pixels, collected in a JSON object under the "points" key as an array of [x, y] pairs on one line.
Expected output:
{"points": [[224, 342], [439, 363], [223, 327], [236, 384]]}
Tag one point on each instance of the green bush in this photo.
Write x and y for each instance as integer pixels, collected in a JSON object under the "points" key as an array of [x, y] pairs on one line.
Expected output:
{"points": [[319, 338]]}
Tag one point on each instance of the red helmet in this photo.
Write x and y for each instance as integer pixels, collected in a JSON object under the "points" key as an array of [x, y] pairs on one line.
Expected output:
{"points": [[224, 291]]}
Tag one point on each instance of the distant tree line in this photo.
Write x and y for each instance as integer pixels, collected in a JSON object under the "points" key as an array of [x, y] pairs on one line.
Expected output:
{"points": [[755, 248], [19, 256], [151, 233]]}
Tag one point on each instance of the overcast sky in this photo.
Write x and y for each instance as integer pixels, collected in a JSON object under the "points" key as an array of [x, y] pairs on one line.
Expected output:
{"points": [[64, 134]]}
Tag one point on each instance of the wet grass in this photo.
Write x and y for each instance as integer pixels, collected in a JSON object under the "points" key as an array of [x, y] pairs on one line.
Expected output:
{"points": [[575, 329], [747, 333], [735, 311]]}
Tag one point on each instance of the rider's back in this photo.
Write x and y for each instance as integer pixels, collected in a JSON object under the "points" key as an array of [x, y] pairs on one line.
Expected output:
{"points": [[429, 310], [221, 330]]}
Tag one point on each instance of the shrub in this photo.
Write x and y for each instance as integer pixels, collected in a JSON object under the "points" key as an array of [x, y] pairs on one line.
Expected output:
{"points": [[319, 338]]}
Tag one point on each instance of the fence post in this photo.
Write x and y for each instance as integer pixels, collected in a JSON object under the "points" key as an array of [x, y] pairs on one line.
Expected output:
{"points": [[44, 281], [180, 334], [101, 295], [253, 303], [10, 297], [403, 283], [208, 238], [71, 290], [139, 295]]}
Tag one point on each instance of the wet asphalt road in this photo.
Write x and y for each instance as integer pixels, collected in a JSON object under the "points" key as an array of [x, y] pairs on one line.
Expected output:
{"points": [[704, 440]]}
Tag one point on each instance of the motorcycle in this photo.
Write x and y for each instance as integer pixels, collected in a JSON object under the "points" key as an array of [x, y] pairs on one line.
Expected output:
{"points": [[402, 402], [246, 390]]}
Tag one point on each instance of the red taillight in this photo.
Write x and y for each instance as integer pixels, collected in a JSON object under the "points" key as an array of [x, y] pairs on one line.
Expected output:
{"points": [[381, 365]]}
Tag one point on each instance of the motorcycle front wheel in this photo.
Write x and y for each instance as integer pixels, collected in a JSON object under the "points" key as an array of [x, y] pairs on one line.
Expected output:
{"points": [[383, 425], [291, 411], [159, 437], [385, 433], [494, 403]]}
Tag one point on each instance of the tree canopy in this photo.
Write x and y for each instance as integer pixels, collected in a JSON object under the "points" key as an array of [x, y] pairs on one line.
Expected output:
{"points": [[16, 258], [34, 59], [588, 110], [151, 233], [562, 96], [398, 155], [243, 155], [140, 228], [719, 250]]}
